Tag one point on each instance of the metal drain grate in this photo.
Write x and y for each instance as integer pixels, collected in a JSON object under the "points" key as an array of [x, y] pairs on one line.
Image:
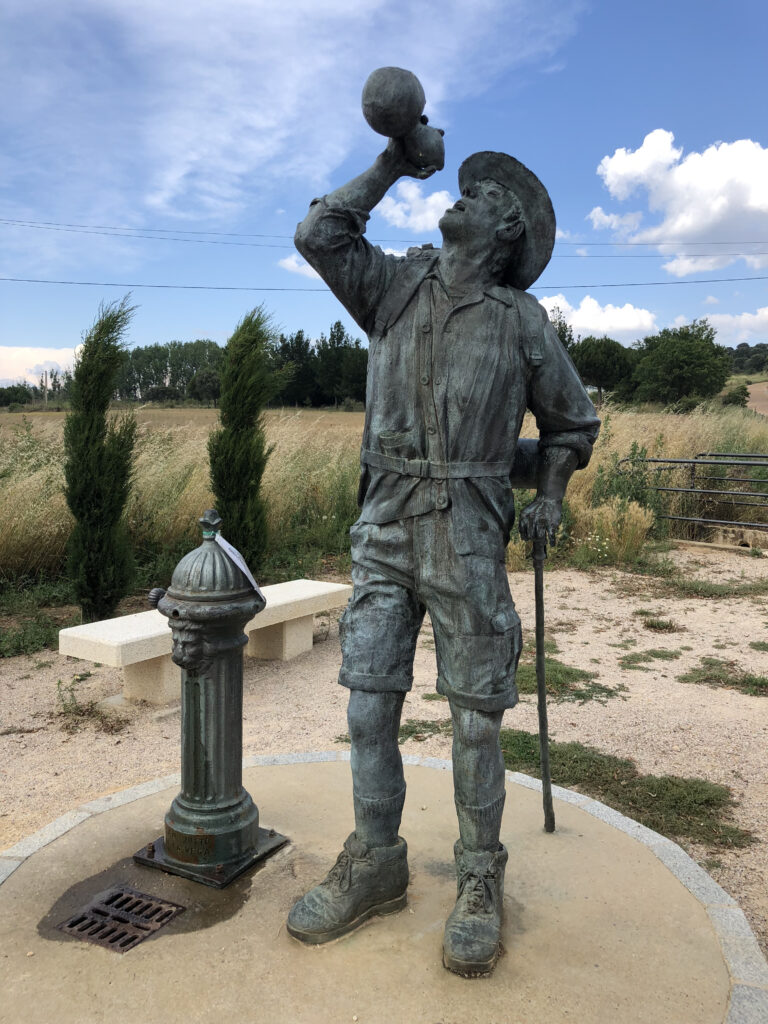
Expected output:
{"points": [[120, 918]]}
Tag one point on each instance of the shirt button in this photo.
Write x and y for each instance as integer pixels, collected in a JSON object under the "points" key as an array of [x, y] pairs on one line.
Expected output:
{"points": [[438, 380], [426, 327], [431, 430], [442, 501], [424, 379]]}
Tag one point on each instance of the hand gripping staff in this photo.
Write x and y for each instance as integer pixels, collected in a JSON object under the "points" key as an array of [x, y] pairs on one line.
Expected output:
{"points": [[539, 554]]}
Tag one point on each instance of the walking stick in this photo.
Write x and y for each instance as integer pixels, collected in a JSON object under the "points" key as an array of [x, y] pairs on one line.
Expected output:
{"points": [[539, 554]]}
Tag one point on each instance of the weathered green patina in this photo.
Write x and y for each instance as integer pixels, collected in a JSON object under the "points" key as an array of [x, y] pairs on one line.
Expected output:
{"points": [[458, 352], [212, 831]]}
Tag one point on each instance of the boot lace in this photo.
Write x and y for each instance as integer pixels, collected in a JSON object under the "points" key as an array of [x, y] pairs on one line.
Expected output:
{"points": [[479, 891], [340, 875]]}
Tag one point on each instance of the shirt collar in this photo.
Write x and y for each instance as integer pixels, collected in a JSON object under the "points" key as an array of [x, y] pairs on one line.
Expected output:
{"points": [[500, 292]]}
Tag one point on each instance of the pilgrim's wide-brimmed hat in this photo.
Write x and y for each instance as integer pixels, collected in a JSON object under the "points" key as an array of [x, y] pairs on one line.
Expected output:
{"points": [[536, 243]]}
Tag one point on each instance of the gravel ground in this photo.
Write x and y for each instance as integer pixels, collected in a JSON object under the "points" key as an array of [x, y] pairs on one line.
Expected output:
{"points": [[664, 725]]}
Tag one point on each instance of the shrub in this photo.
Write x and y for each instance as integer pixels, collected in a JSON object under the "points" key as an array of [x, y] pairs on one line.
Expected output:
{"points": [[610, 534], [736, 396]]}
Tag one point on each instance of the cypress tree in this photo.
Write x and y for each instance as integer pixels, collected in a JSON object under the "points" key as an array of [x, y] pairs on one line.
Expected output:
{"points": [[98, 467], [238, 449]]}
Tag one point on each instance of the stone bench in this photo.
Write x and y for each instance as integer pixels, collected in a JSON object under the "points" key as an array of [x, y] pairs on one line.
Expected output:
{"points": [[141, 644]]}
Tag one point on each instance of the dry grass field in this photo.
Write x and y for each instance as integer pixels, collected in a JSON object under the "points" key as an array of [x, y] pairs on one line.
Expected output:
{"points": [[310, 479]]}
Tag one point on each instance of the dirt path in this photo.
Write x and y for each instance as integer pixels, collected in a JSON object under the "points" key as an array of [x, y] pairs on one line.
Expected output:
{"points": [[758, 397], [665, 725]]}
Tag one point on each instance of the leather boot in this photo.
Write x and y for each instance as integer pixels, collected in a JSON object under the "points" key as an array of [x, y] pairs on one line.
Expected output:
{"points": [[364, 881], [472, 932]]}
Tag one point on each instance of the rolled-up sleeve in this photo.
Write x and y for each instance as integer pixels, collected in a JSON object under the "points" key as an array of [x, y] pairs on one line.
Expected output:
{"points": [[564, 413], [331, 240]]}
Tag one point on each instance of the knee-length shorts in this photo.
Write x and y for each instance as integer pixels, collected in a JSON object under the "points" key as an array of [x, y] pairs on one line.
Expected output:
{"points": [[402, 569]]}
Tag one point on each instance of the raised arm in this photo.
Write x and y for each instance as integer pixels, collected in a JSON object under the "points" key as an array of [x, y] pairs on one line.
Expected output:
{"points": [[369, 188], [331, 236]]}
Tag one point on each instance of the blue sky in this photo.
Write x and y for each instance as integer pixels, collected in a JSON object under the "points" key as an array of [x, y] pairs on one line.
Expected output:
{"points": [[217, 123]]}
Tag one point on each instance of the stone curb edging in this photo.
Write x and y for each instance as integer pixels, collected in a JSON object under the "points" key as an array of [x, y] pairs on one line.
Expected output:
{"points": [[748, 969]]}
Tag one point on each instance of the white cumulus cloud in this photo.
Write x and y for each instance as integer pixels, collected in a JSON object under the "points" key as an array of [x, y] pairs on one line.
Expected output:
{"points": [[621, 224], [19, 363], [296, 265], [624, 323], [412, 209], [718, 197], [734, 328]]}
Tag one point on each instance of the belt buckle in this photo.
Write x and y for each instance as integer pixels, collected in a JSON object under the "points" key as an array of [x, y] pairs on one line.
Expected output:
{"points": [[418, 467]]}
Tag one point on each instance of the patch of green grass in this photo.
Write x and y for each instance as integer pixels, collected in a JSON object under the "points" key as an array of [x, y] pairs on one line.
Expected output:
{"points": [[433, 696], [638, 659], [74, 713], [529, 647], [759, 645], [674, 583], [564, 682], [716, 672], [417, 729], [31, 635], [681, 808], [706, 588], [420, 729], [660, 625], [25, 596]]}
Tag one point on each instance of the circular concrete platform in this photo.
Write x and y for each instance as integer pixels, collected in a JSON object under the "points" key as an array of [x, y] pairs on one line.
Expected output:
{"points": [[604, 920]]}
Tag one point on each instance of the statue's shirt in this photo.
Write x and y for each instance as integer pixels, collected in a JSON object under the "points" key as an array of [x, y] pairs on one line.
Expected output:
{"points": [[448, 382]]}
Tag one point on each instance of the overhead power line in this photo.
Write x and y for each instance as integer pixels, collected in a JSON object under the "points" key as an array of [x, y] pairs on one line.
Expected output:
{"points": [[254, 288], [119, 233], [134, 232], [187, 287]]}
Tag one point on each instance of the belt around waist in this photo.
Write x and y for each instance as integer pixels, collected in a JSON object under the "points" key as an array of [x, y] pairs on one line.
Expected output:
{"points": [[433, 470]]}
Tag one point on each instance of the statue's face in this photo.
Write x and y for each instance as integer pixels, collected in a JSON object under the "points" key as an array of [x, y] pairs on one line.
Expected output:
{"points": [[187, 645], [478, 215]]}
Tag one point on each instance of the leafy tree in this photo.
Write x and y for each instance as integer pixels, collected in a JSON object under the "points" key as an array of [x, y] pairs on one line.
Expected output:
{"points": [[563, 329], [601, 362], [294, 354], [330, 353], [205, 386], [680, 361], [749, 358], [238, 450], [98, 468], [19, 394], [187, 358], [162, 393], [354, 371]]}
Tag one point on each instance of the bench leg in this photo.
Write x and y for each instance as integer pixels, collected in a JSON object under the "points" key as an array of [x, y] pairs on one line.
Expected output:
{"points": [[157, 681], [282, 641]]}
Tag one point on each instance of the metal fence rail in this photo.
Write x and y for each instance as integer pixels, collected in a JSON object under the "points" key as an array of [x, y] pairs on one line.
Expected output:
{"points": [[712, 499]]}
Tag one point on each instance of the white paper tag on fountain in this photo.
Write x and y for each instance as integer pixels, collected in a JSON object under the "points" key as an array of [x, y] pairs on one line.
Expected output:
{"points": [[234, 555]]}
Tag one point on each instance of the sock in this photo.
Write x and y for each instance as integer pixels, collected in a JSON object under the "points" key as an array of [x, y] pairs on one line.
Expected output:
{"points": [[479, 827], [377, 820]]}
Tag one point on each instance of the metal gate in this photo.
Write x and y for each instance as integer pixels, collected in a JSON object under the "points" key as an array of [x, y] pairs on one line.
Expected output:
{"points": [[711, 484]]}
